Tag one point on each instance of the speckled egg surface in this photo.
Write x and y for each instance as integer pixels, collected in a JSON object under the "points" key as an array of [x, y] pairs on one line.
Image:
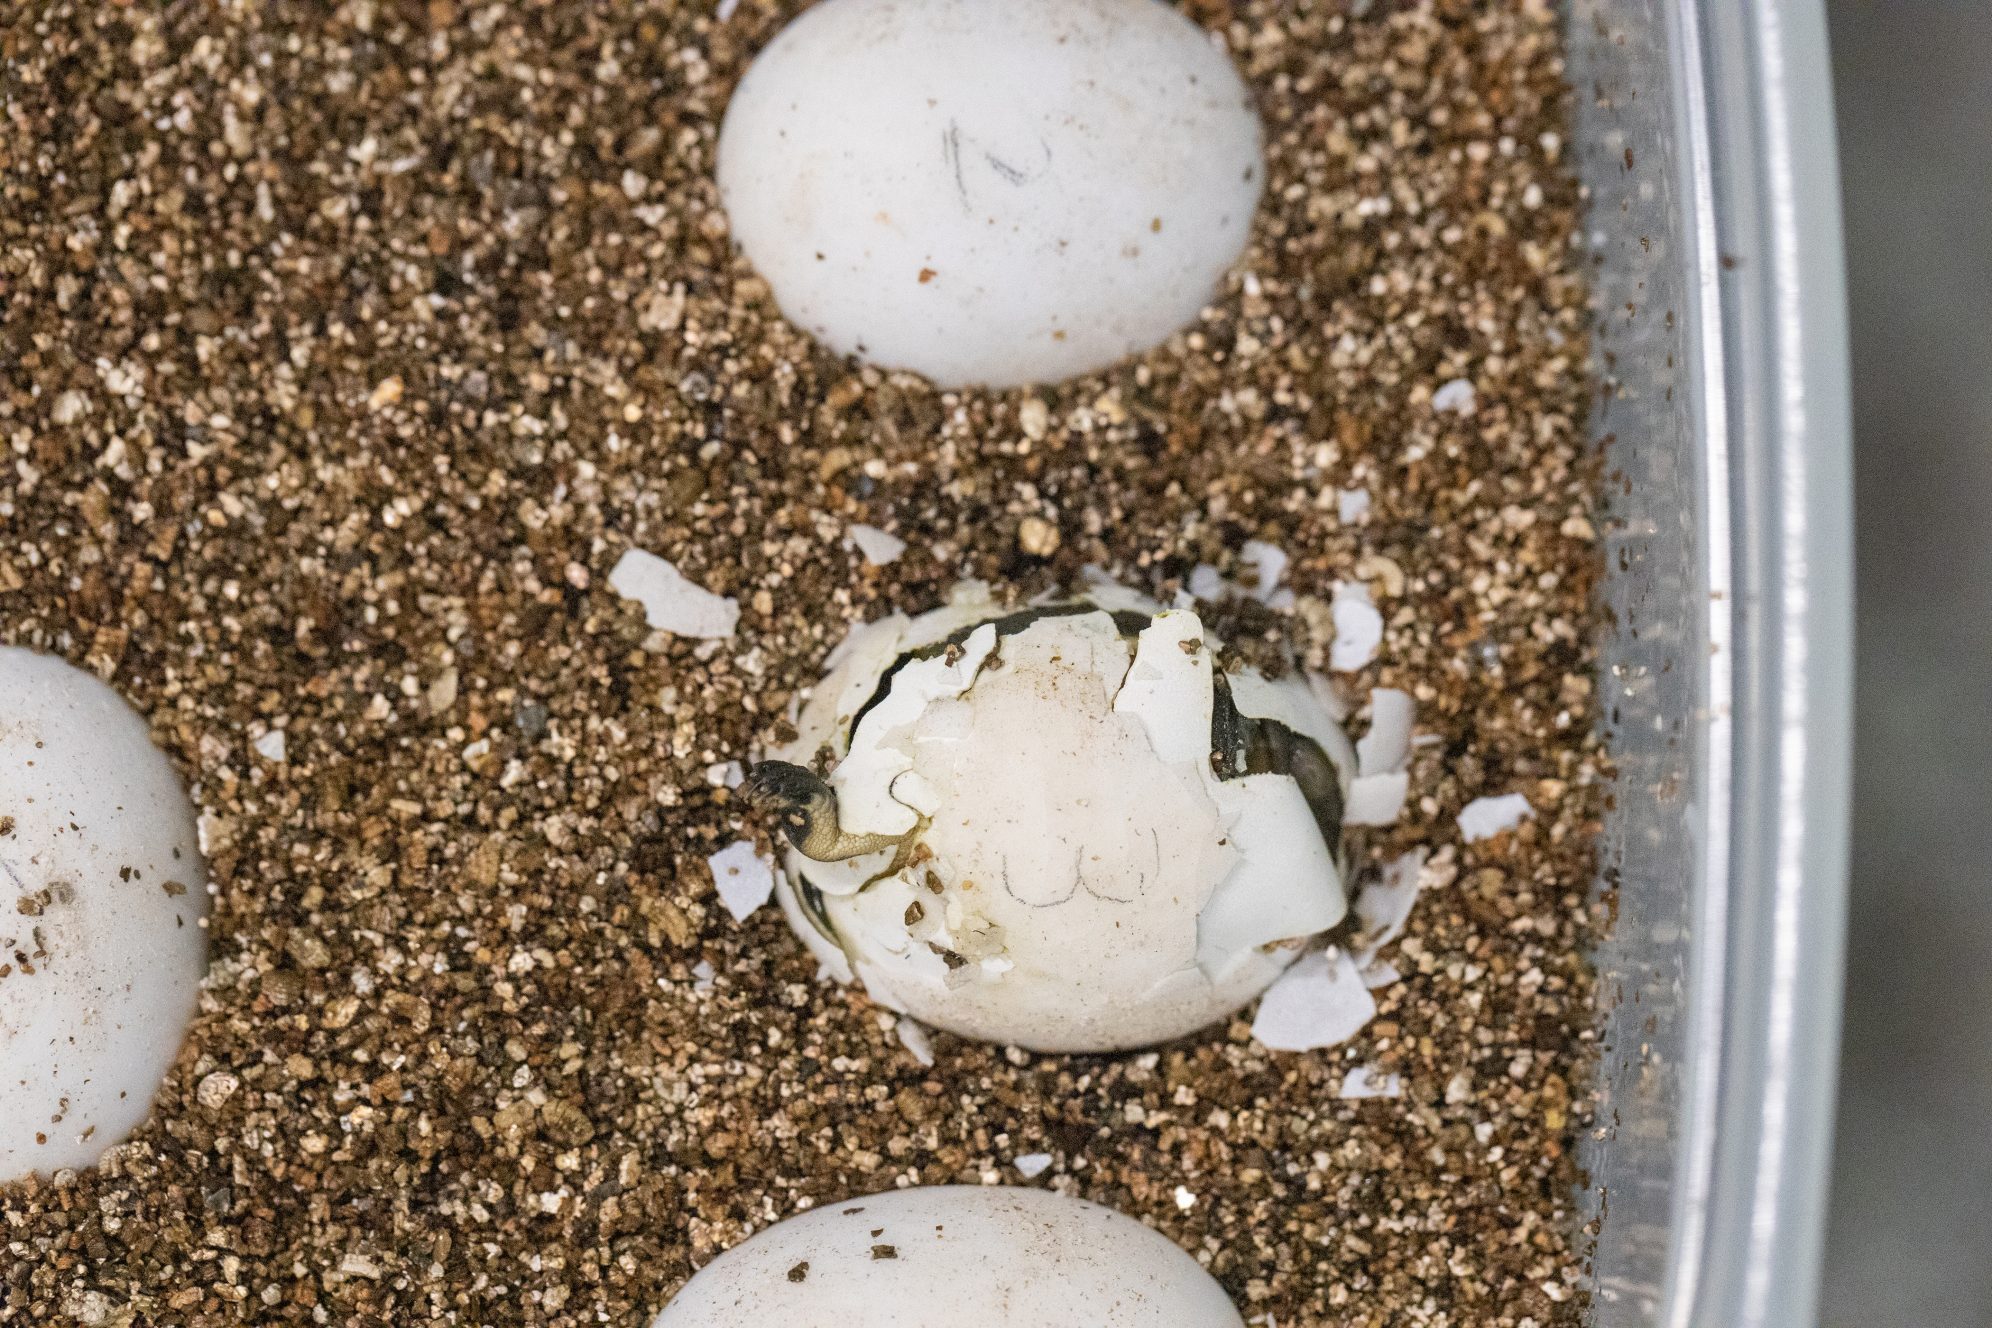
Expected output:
{"points": [[991, 191], [102, 893], [954, 1257]]}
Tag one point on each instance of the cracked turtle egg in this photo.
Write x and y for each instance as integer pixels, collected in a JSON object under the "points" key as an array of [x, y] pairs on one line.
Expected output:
{"points": [[102, 897], [966, 1256], [991, 191], [1063, 828]]}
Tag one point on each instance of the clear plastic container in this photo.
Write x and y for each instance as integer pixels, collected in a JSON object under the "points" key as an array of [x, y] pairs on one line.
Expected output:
{"points": [[1705, 132]]}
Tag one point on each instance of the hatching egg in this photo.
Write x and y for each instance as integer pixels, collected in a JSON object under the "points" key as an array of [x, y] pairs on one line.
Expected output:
{"points": [[102, 899], [954, 1257], [991, 191], [1065, 828]]}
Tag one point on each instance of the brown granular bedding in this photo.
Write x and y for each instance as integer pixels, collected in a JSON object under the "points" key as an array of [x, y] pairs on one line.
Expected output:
{"points": [[343, 352]]}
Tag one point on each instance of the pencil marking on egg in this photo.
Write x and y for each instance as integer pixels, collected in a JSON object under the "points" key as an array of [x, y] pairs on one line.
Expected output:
{"points": [[1079, 866], [1078, 883]]}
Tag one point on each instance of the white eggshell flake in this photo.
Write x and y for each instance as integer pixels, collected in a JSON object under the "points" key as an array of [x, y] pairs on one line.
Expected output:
{"points": [[1358, 627], [1273, 894], [1268, 564], [1455, 395], [1261, 567], [874, 762], [958, 1256], [1385, 904], [1380, 974], [1110, 594], [1378, 793], [1321, 1001], [914, 1038], [1032, 1165], [744, 879], [879, 547], [1387, 745], [991, 191], [1074, 875], [1484, 818], [1208, 584], [671, 601], [102, 897], [1377, 799], [1365, 1082]]}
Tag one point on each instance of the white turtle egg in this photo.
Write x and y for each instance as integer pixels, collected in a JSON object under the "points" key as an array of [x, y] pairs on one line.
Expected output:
{"points": [[991, 191], [954, 1257], [1047, 845], [102, 896]]}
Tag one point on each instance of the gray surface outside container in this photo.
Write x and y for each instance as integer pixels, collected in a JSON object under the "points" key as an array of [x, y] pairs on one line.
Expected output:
{"points": [[1910, 1230], [1705, 133]]}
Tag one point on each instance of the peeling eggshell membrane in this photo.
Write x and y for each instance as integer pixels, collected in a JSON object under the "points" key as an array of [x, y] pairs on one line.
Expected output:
{"points": [[1062, 828]]}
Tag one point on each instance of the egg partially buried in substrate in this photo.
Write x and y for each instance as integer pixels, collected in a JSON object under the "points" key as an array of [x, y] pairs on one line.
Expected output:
{"points": [[102, 896], [1064, 828], [954, 1257], [991, 191]]}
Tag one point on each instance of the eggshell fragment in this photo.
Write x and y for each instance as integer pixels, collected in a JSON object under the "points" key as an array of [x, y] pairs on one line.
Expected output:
{"points": [[1319, 1002], [1261, 568], [1483, 818], [1377, 795], [103, 897], [914, 1038], [1377, 799], [864, 779], [1455, 395], [1384, 905], [1208, 584], [1358, 627], [743, 877], [1268, 564], [954, 1257], [1380, 974], [879, 547], [1110, 594], [991, 191], [1279, 898], [1032, 1165], [1387, 745], [1167, 687], [671, 601], [1365, 1082]]}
